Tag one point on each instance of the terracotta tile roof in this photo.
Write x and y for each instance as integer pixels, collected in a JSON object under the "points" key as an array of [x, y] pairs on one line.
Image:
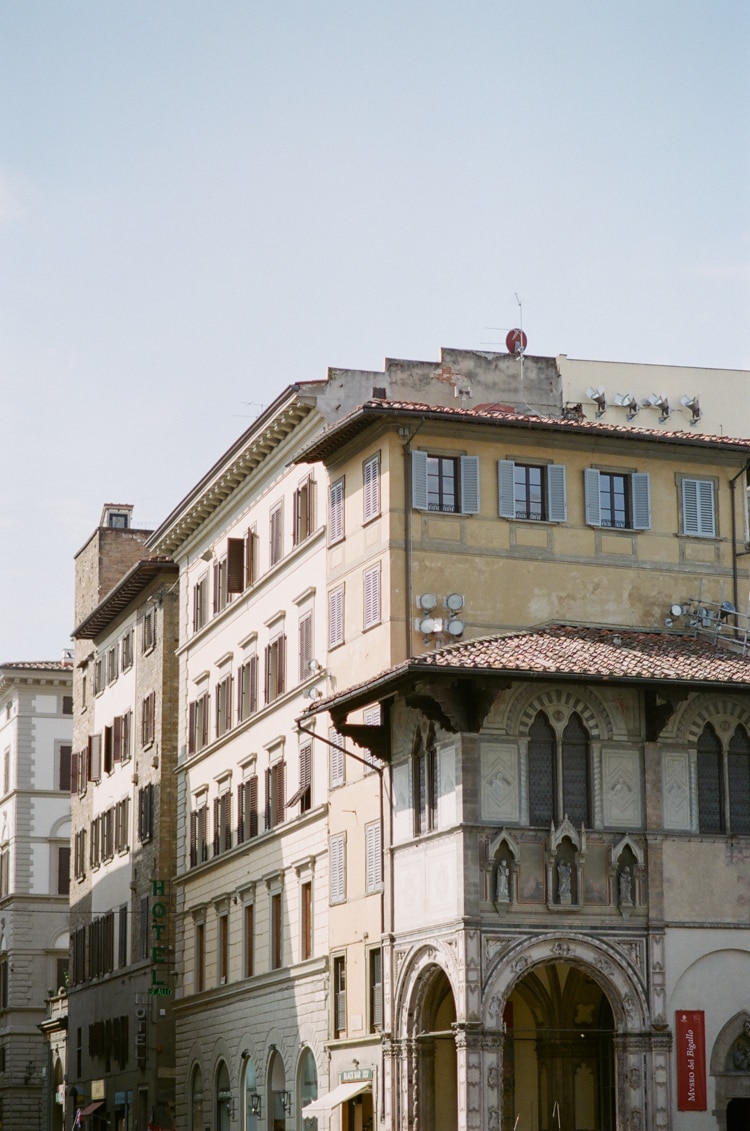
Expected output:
{"points": [[38, 666], [599, 653], [362, 417], [568, 652]]}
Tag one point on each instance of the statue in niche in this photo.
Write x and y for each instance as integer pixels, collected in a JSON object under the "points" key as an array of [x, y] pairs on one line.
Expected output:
{"points": [[502, 883], [626, 886], [563, 882]]}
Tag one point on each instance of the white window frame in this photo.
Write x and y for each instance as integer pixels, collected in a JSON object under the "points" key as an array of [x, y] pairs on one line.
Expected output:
{"points": [[336, 606], [371, 487], [698, 507], [336, 498]]}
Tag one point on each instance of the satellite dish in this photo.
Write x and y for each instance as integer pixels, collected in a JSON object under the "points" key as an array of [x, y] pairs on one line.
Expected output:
{"points": [[516, 341], [454, 601], [427, 601], [676, 610], [455, 627]]}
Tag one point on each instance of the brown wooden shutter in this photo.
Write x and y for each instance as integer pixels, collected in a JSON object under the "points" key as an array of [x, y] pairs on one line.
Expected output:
{"points": [[95, 757], [279, 814], [74, 771], [217, 827], [235, 565], [64, 780], [252, 804], [281, 666], [191, 728], [117, 738]]}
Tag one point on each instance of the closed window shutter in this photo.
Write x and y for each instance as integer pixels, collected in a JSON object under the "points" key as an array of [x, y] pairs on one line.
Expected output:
{"points": [[698, 507], [557, 510], [374, 857], [241, 819], [250, 544], [253, 683], [641, 497], [280, 774], [419, 480], [193, 839], [64, 780], [95, 757], [336, 511], [191, 728], [117, 738], [267, 805], [74, 771], [337, 869], [592, 498], [226, 818], [235, 565], [335, 617], [469, 484], [305, 646], [217, 827], [251, 806], [372, 487], [506, 488], [372, 596]]}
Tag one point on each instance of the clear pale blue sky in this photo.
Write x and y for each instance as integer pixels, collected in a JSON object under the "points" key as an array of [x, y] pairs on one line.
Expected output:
{"points": [[201, 202]]}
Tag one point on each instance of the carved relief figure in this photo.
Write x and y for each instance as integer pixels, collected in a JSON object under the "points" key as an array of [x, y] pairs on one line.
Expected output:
{"points": [[563, 882], [626, 887], [502, 884]]}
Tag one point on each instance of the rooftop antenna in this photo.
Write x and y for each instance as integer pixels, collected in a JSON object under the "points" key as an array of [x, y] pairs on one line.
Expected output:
{"points": [[516, 343]]}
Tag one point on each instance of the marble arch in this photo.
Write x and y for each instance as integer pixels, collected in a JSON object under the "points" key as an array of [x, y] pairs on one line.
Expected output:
{"points": [[558, 702], [413, 984]]}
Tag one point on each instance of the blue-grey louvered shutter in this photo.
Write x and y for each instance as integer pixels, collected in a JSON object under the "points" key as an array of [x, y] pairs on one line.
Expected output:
{"points": [[419, 480], [557, 507], [469, 485], [506, 488], [640, 490], [698, 507], [592, 500]]}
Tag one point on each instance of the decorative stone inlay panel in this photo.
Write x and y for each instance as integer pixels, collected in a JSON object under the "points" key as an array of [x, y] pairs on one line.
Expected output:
{"points": [[621, 789], [500, 781], [676, 790]]}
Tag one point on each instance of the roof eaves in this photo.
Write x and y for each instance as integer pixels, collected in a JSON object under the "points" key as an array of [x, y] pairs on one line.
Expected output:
{"points": [[117, 600]]}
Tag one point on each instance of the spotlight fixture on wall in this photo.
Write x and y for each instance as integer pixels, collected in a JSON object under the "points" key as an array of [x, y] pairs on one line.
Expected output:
{"points": [[312, 693], [599, 397], [256, 1104], [628, 401], [693, 404], [286, 1101], [660, 401]]}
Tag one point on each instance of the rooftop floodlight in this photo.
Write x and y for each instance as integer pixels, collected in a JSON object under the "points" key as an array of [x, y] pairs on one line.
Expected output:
{"points": [[628, 401], [693, 404], [599, 397], [660, 401]]}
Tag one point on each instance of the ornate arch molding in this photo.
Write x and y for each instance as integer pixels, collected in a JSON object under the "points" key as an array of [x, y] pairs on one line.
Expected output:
{"points": [[617, 978], [737, 1026], [558, 703], [414, 982], [723, 712]]}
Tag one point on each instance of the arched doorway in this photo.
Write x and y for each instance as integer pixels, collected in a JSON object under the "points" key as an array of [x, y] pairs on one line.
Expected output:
{"points": [[196, 1100], [278, 1097], [558, 1062], [251, 1098], [223, 1098], [738, 1114], [307, 1088], [435, 1040]]}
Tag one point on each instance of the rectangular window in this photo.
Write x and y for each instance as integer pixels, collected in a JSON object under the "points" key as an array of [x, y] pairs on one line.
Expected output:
{"points": [[4, 872], [698, 507], [199, 836], [200, 603], [617, 500], [221, 581], [122, 825], [304, 511], [94, 845], [304, 792], [127, 650], [336, 617], [98, 676], [305, 646], [198, 723], [424, 769], [223, 706], [371, 487], [148, 631], [63, 869], [275, 668], [64, 777], [276, 932], [247, 809], [148, 720], [111, 665], [371, 580], [275, 794], [144, 936], [67, 705], [122, 726], [249, 940], [146, 813], [339, 995], [122, 936], [223, 949], [108, 750], [4, 998], [251, 557], [276, 535], [223, 823], [94, 760], [247, 689], [79, 861], [336, 759], [376, 990], [306, 920], [235, 565], [374, 855], [532, 492], [449, 484], [200, 957], [336, 511], [337, 867], [108, 834]]}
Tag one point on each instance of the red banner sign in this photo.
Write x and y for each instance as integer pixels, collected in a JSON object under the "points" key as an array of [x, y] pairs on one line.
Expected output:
{"points": [[691, 1060]]}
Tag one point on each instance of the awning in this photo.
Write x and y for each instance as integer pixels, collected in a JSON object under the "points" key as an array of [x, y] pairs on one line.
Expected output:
{"points": [[324, 1105], [87, 1111]]}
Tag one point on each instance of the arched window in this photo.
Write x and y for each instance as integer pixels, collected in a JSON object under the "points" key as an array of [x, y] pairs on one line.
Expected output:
{"points": [[307, 1085], [710, 817], [252, 1098], [575, 771], [541, 771], [738, 777], [223, 1098], [196, 1100]]}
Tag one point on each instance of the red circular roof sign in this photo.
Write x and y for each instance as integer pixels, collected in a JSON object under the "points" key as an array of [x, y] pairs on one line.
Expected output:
{"points": [[516, 341]]}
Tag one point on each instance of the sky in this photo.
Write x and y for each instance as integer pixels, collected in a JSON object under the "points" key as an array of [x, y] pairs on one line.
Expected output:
{"points": [[203, 202]]}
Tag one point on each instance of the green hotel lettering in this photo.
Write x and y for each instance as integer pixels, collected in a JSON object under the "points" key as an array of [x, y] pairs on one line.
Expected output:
{"points": [[160, 926]]}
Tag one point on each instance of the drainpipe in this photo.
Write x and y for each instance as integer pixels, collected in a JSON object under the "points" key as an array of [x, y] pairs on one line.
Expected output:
{"points": [[408, 588]]}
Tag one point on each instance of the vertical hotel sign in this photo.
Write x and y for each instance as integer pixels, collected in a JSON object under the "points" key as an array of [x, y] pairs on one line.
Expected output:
{"points": [[160, 940], [691, 1060]]}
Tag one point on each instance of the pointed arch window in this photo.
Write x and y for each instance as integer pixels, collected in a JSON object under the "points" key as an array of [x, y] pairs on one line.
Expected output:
{"points": [[559, 772], [710, 817], [738, 775]]}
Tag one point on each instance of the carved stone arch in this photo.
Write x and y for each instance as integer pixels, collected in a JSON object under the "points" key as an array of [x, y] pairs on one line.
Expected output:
{"points": [[610, 969], [724, 713], [61, 828], [558, 703], [415, 976], [735, 1027], [619, 847]]}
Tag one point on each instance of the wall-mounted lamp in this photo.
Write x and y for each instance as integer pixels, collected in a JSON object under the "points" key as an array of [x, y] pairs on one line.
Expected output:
{"points": [[312, 693], [286, 1101], [693, 404], [660, 401], [628, 401], [29, 1073], [314, 666], [256, 1104], [599, 397]]}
